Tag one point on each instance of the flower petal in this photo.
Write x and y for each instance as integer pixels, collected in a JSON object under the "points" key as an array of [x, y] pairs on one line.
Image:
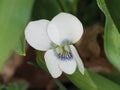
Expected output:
{"points": [[67, 66], [63, 27], [52, 64], [36, 35], [77, 58]]}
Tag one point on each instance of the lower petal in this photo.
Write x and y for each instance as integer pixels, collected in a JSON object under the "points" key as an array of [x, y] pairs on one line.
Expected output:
{"points": [[77, 58], [67, 66], [52, 64]]}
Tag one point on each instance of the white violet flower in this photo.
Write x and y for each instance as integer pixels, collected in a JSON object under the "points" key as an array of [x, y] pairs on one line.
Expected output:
{"points": [[56, 38]]}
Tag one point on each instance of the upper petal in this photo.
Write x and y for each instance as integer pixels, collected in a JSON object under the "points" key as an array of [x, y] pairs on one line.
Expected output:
{"points": [[36, 35], [78, 59], [63, 27], [67, 66], [52, 64]]}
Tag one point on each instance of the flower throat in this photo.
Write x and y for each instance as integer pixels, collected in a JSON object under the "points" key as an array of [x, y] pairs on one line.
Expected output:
{"points": [[63, 52]]}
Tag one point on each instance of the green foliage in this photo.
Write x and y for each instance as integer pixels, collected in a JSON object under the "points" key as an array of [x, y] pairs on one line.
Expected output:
{"points": [[21, 45], [88, 12], [81, 81], [103, 83], [14, 14], [115, 77], [14, 86], [111, 37], [89, 81], [60, 85], [69, 6], [45, 9], [113, 7], [40, 62]]}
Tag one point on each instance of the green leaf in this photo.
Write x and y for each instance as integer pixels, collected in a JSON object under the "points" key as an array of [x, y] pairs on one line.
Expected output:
{"points": [[102, 83], [39, 60], [111, 37], [92, 81], [14, 86], [23, 86], [45, 9], [115, 77], [14, 14], [21, 46], [60, 85], [2, 87], [114, 9], [83, 82], [69, 6]]}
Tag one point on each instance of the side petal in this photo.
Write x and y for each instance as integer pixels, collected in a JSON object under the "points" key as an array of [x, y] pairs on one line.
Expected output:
{"points": [[78, 59], [52, 64], [67, 66], [36, 35], [63, 27]]}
